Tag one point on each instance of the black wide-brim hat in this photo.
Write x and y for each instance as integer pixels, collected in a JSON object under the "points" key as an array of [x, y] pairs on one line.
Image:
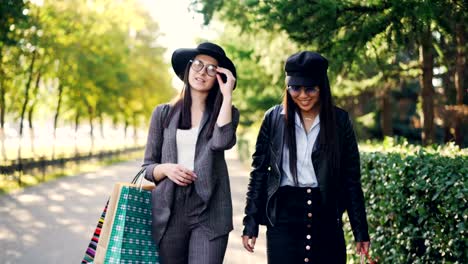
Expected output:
{"points": [[181, 57]]}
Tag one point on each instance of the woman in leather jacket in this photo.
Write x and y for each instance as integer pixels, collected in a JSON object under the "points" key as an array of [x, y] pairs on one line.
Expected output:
{"points": [[306, 173]]}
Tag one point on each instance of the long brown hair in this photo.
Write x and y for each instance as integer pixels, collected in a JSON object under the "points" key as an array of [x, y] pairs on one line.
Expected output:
{"points": [[327, 139], [184, 103]]}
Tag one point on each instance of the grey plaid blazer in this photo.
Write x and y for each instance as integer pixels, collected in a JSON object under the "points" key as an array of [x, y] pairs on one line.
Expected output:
{"points": [[212, 184]]}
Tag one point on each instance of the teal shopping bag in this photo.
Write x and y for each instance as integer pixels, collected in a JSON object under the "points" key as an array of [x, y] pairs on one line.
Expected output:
{"points": [[130, 239]]}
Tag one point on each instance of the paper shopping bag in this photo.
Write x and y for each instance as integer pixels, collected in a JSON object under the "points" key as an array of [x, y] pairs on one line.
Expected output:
{"points": [[145, 250], [91, 250], [101, 247], [130, 239]]}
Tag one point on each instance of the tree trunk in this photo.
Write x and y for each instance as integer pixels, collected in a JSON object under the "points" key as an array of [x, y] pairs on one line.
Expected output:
{"points": [[31, 134], [77, 124], [57, 109], [460, 62], [427, 91], [2, 107], [31, 113], [135, 131], [26, 92], [101, 125], [91, 132], [449, 94], [2, 104], [3, 139], [91, 126], [2, 92], [127, 123], [386, 106], [384, 95], [56, 116], [77, 121], [126, 128]]}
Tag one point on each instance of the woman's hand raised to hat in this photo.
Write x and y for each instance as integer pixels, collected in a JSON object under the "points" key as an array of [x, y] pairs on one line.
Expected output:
{"points": [[225, 87]]}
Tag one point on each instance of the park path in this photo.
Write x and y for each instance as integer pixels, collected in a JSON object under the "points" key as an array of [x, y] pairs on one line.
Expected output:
{"points": [[52, 223]]}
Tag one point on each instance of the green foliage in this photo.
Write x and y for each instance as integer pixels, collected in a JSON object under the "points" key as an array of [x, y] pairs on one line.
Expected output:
{"points": [[259, 60], [416, 202], [103, 55], [344, 26], [13, 17], [364, 39], [111, 48], [400, 145], [373, 46]]}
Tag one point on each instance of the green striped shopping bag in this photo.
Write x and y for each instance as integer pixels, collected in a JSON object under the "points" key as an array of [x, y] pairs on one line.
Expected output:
{"points": [[130, 239]]}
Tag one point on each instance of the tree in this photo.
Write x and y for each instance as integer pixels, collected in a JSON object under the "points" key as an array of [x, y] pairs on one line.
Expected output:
{"points": [[453, 28], [259, 60], [13, 17], [81, 61], [342, 29]]}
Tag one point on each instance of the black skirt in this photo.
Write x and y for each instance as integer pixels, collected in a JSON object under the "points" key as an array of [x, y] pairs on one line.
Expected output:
{"points": [[297, 236]]}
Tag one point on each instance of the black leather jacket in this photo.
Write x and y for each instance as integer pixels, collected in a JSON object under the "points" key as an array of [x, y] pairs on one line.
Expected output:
{"points": [[339, 192]]}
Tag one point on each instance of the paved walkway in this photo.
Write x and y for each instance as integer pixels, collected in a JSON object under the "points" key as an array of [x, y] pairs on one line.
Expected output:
{"points": [[53, 222]]}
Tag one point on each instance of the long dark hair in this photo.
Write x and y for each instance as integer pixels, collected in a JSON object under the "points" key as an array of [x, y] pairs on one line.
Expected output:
{"points": [[184, 103], [327, 139]]}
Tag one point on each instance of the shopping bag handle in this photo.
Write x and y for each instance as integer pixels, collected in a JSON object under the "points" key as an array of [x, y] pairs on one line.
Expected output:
{"points": [[138, 176], [366, 254]]}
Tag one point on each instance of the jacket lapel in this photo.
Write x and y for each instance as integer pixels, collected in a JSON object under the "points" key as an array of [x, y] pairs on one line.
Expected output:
{"points": [[203, 121], [316, 156], [278, 125], [170, 134]]}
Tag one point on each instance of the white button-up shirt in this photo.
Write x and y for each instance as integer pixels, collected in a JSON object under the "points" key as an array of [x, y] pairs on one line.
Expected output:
{"points": [[304, 146]]}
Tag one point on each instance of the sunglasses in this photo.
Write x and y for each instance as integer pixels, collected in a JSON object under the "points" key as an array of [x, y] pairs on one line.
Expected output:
{"points": [[296, 89], [198, 65]]}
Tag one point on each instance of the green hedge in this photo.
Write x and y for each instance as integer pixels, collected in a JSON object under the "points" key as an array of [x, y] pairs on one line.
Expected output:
{"points": [[416, 202]]}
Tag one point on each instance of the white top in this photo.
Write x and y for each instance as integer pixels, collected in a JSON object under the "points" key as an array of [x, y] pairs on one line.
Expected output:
{"points": [[186, 141], [304, 145]]}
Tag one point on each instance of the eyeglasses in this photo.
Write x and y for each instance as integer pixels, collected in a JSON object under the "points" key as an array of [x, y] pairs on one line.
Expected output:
{"points": [[296, 89], [197, 65]]}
